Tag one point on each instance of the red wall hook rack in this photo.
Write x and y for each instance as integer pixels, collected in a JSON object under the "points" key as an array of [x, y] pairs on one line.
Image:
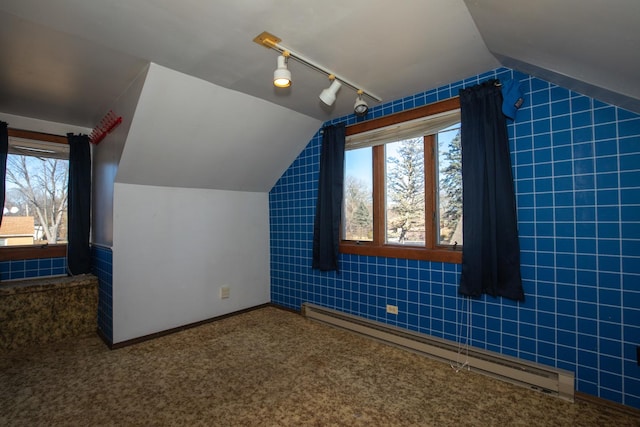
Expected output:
{"points": [[106, 126]]}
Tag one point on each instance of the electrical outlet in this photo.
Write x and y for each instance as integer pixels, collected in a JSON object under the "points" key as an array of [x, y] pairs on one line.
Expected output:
{"points": [[392, 309], [225, 292]]}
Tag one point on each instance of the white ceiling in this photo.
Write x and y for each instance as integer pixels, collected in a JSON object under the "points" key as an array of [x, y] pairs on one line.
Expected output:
{"points": [[69, 60]]}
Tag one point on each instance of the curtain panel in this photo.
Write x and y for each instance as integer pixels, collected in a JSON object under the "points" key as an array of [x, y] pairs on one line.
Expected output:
{"points": [[79, 205], [491, 251], [326, 228]]}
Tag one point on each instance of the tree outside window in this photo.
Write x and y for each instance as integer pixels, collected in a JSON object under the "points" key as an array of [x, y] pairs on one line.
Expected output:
{"points": [[450, 186], [36, 193], [405, 192]]}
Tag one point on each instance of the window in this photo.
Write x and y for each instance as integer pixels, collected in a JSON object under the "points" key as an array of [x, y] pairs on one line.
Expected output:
{"points": [[403, 185], [35, 210]]}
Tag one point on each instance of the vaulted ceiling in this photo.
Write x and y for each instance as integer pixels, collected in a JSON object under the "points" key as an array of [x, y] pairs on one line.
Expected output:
{"points": [[68, 60]]}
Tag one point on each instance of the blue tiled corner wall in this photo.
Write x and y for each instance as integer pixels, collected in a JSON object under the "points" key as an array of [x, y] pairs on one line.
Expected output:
{"points": [[576, 165], [102, 267]]}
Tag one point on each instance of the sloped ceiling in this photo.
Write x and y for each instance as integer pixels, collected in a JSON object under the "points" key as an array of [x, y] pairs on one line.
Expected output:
{"points": [[68, 61], [56, 76], [590, 46]]}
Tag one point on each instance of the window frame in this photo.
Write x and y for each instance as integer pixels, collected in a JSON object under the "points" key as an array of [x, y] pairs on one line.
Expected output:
{"points": [[378, 247], [14, 253]]}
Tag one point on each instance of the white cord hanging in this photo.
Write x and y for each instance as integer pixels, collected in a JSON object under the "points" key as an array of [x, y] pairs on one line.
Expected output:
{"points": [[463, 347]]}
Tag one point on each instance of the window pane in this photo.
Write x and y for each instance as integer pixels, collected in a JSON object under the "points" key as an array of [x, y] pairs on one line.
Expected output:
{"points": [[35, 210], [357, 213], [449, 209], [404, 178]]}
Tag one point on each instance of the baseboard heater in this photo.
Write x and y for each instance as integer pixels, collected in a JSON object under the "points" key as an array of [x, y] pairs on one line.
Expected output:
{"points": [[531, 375]]}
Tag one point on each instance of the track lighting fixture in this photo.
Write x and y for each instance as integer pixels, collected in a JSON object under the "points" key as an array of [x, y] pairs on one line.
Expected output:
{"points": [[282, 75], [360, 108], [328, 95]]}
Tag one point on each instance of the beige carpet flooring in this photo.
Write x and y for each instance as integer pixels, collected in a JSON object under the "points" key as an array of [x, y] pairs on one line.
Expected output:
{"points": [[267, 367]]}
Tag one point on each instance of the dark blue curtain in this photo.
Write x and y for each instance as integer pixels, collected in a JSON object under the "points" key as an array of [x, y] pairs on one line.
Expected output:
{"points": [[79, 206], [326, 227], [4, 149], [491, 251]]}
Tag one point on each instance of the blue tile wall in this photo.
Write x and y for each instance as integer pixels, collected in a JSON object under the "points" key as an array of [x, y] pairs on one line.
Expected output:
{"points": [[576, 165], [32, 268], [102, 267]]}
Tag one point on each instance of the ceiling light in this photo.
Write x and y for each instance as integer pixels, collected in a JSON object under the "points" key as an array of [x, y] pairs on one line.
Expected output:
{"points": [[282, 75], [360, 108], [328, 95]]}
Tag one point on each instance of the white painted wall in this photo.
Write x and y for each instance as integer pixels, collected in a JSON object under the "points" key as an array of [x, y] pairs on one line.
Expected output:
{"points": [[174, 247], [181, 194], [106, 159], [190, 133]]}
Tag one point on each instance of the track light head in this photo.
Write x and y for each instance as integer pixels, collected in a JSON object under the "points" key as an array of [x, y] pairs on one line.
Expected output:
{"points": [[282, 75], [360, 108], [328, 95]]}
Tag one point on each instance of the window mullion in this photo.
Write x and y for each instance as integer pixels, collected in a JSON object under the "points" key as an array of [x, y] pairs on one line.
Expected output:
{"points": [[379, 195], [430, 188]]}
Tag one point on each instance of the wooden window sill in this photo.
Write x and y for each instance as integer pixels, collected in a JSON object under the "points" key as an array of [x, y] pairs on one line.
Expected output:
{"points": [[405, 252], [12, 253]]}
